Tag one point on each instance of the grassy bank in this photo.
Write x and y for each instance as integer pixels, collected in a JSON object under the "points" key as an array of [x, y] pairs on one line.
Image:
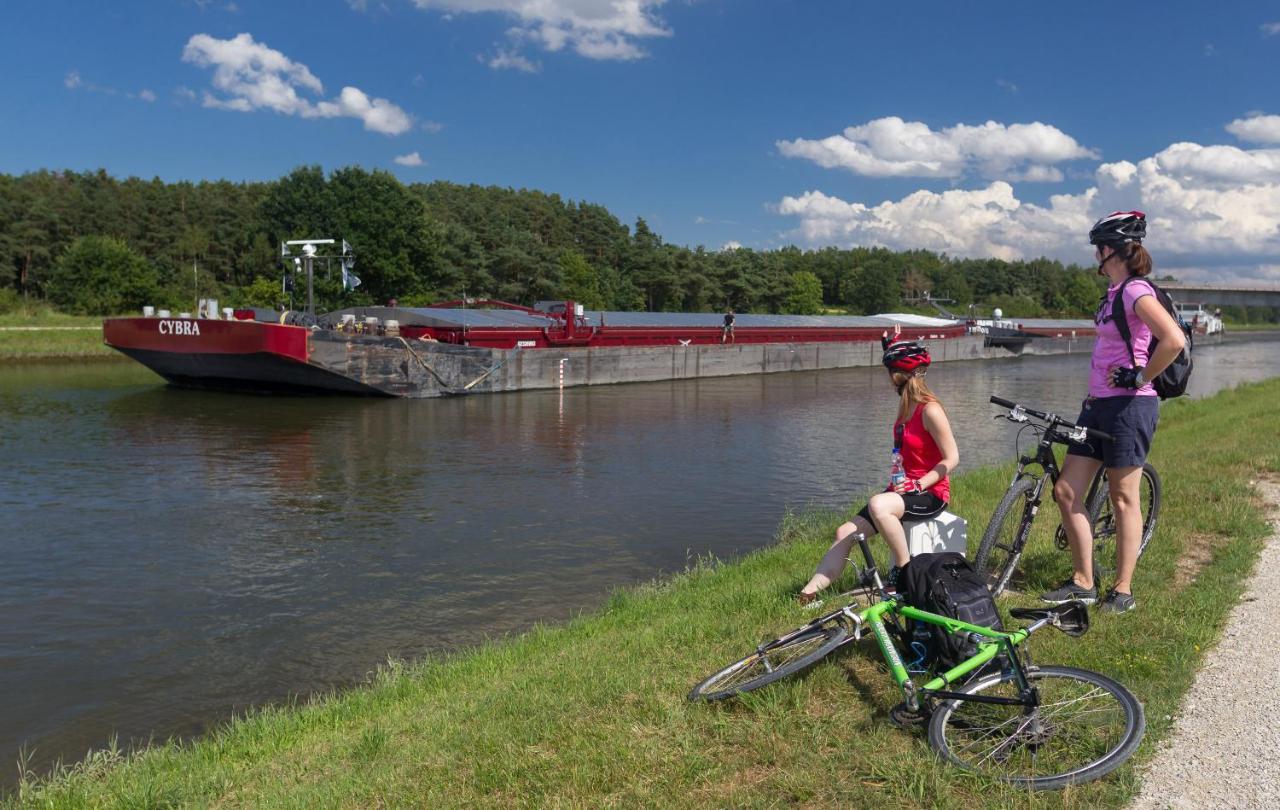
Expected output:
{"points": [[594, 713], [43, 334], [1252, 327]]}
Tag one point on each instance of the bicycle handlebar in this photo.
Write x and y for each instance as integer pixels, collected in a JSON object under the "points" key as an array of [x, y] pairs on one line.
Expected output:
{"points": [[1053, 419]]}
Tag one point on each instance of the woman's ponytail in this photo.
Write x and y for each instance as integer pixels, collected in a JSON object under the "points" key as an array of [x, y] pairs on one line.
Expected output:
{"points": [[1137, 259]]}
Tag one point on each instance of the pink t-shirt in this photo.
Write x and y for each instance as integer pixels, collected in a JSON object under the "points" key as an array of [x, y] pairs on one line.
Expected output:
{"points": [[1110, 351]]}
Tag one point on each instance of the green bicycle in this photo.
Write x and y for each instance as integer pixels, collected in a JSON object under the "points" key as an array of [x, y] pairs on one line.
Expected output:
{"points": [[995, 713]]}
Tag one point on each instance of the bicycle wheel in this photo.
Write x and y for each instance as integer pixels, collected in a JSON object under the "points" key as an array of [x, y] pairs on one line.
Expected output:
{"points": [[779, 658], [1084, 726], [1005, 537], [1102, 518]]}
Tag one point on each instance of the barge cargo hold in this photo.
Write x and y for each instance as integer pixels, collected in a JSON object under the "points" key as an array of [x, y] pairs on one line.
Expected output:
{"points": [[447, 350]]}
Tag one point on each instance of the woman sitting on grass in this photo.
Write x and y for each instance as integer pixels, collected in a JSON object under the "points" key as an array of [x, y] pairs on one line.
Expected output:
{"points": [[922, 435]]}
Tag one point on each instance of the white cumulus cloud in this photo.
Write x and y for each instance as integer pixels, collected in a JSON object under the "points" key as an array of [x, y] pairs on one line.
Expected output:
{"points": [[1195, 213], [1194, 165], [249, 76], [1256, 128], [1270, 29], [147, 95], [504, 59], [892, 147], [989, 221], [1210, 208], [595, 29], [411, 159]]}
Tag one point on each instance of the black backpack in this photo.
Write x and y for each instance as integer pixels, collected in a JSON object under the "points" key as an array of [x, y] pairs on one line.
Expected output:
{"points": [[946, 584], [1172, 382]]}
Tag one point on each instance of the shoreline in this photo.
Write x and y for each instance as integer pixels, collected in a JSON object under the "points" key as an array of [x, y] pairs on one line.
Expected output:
{"points": [[60, 339], [593, 712]]}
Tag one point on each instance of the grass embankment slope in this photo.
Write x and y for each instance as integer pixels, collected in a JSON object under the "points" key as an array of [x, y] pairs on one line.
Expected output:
{"points": [[43, 334], [594, 713]]}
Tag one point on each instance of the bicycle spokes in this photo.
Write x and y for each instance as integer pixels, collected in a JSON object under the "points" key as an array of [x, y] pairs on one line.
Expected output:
{"points": [[1081, 725]]}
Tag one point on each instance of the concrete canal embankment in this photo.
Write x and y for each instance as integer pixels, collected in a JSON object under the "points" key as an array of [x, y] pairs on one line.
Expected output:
{"points": [[417, 369]]}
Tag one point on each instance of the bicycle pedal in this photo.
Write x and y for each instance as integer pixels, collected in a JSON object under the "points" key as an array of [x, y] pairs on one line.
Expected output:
{"points": [[1060, 539]]}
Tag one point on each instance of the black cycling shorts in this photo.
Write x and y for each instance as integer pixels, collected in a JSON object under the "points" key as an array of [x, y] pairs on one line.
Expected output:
{"points": [[920, 506], [1130, 420]]}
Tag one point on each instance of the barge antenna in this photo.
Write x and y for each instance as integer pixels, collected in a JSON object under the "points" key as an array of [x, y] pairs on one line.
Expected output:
{"points": [[308, 261]]}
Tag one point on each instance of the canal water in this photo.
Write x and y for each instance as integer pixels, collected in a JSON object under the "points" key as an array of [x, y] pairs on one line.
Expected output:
{"points": [[173, 557]]}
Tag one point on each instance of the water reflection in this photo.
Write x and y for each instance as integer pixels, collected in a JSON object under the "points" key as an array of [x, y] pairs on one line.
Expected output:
{"points": [[174, 556]]}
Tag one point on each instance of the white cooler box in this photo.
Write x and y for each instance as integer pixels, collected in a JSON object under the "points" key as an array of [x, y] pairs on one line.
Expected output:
{"points": [[946, 532]]}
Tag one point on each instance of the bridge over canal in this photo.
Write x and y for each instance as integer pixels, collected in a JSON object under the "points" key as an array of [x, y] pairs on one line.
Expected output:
{"points": [[1224, 295]]}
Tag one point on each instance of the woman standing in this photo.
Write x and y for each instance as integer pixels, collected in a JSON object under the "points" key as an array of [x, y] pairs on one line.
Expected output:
{"points": [[1122, 403], [920, 489]]}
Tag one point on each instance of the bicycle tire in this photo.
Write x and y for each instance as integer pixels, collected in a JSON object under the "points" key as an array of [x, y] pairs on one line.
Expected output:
{"points": [[999, 740], [1102, 518], [999, 552], [780, 658]]}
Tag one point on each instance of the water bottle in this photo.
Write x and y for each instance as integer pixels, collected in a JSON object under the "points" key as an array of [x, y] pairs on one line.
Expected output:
{"points": [[897, 473], [920, 649]]}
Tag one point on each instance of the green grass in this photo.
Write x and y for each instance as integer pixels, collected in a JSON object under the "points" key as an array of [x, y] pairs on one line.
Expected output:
{"points": [[44, 316], [43, 334], [593, 713], [1251, 327], [49, 344]]}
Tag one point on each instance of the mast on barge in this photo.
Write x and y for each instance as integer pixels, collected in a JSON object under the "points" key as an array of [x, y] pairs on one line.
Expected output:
{"points": [[306, 262]]}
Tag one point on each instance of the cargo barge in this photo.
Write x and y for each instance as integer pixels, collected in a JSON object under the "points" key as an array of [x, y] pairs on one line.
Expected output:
{"points": [[466, 346], [490, 346]]}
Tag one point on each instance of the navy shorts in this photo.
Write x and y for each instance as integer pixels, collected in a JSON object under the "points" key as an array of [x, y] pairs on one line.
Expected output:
{"points": [[1131, 421], [920, 506]]}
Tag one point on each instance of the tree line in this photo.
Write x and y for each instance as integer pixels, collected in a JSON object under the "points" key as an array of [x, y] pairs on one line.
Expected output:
{"points": [[93, 244]]}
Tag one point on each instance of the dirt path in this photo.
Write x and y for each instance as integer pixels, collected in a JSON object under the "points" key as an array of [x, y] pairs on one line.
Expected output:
{"points": [[1223, 749]]}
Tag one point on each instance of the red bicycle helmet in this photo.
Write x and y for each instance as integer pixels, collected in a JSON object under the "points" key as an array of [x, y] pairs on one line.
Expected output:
{"points": [[906, 356]]}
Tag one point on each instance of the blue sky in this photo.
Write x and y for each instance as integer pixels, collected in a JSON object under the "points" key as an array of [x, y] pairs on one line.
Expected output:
{"points": [[994, 129]]}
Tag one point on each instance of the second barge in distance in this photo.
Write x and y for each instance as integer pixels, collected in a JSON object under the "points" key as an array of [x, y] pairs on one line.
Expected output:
{"points": [[455, 348]]}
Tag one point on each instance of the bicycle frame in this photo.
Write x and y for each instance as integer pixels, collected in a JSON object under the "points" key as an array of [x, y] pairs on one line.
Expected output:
{"points": [[1044, 458], [997, 641]]}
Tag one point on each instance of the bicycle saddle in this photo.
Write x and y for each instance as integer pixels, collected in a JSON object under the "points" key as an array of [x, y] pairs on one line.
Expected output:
{"points": [[1071, 617]]}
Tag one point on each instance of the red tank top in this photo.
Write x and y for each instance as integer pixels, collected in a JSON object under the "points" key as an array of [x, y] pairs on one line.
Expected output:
{"points": [[920, 452]]}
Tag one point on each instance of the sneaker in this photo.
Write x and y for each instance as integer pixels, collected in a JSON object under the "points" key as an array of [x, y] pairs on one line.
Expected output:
{"points": [[1068, 591], [1116, 602]]}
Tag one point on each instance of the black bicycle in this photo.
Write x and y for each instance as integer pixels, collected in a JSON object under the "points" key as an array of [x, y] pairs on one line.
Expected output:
{"points": [[1006, 536]]}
